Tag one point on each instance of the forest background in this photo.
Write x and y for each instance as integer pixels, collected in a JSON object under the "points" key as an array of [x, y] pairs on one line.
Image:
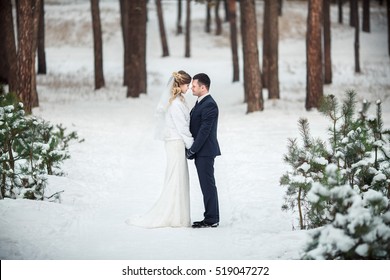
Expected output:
{"points": [[117, 172]]}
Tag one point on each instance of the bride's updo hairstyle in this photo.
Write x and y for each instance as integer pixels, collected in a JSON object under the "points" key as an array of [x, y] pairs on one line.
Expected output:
{"points": [[179, 78]]}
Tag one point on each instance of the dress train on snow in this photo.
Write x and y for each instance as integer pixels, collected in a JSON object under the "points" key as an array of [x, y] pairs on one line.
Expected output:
{"points": [[172, 209]]}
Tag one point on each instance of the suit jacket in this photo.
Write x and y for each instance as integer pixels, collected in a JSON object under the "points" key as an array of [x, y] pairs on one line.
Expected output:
{"points": [[203, 126]]}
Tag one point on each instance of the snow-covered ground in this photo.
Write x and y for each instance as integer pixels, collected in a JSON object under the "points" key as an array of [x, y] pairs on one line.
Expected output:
{"points": [[118, 171]]}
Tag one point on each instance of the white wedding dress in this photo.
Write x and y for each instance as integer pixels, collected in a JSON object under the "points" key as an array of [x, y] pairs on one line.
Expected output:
{"points": [[172, 209]]}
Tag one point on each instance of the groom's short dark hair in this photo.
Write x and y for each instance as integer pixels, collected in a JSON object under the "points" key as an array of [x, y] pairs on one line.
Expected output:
{"points": [[203, 79]]}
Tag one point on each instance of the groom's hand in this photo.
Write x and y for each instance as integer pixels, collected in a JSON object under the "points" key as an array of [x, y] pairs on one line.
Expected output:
{"points": [[190, 154]]}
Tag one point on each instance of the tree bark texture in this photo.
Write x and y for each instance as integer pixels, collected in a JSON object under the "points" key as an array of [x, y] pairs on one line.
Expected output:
{"points": [[97, 44], [280, 7], [388, 25], [366, 16], [273, 58], [218, 21], [232, 10], [207, 27], [8, 61], [41, 40], [4, 25], [327, 43], [142, 47], [252, 74], [340, 8], [24, 56], [226, 8], [136, 48], [133, 65], [352, 16], [36, 10], [355, 11], [244, 39], [179, 27], [161, 25], [188, 30], [314, 88], [266, 43], [123, 4]]}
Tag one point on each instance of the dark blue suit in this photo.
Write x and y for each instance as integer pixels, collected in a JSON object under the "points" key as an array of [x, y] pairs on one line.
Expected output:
{"points": [[203, 126]]}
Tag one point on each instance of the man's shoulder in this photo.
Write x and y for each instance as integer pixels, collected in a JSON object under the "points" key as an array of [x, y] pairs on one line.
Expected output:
{"points": [[209, 105], [209, 99]]}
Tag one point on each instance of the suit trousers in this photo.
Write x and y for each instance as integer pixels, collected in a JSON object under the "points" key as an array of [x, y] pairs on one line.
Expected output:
{"points": [[205, 169]]}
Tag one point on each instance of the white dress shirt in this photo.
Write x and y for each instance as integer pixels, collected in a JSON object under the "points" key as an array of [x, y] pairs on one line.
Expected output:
{"points": [[201, 97]]}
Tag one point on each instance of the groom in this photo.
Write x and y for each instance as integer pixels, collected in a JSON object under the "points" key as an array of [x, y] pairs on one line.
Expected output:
{"points": [[203, 126]]}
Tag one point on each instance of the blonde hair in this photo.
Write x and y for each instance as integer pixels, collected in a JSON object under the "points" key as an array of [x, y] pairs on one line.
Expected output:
{"points": [[179, 78]]}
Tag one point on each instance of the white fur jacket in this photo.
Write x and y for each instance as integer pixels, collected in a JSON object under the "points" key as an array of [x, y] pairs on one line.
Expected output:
{"points": [[177, 123]]}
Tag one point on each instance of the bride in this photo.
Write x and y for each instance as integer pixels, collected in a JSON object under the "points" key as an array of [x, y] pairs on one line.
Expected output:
{"points": [[172, 209]]}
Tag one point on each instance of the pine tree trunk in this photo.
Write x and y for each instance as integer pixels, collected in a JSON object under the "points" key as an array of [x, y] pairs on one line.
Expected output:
{"points": [[273, 59], [244, 39], [24, 56], [266, 43], [388, 25], [161, 26], [252, 74], [4, 25], [314, 88], [355, 11], [17, 4], [327, 43], [208, 17], [280, 7], [132, 67], [2, 185], [218, 21], [232, 10], [352, 16], [136, 45], [123, 18], [124, 10], [340, 6], [8, 60], [142, 47], [179, 28], [226, 8], [300, 209], [366, 16], [36, 8], [41, 40], [188, 30], [97, 44]]}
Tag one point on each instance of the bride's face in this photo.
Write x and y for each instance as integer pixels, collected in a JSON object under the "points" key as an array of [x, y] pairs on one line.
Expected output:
{"points": [[184, 88]]}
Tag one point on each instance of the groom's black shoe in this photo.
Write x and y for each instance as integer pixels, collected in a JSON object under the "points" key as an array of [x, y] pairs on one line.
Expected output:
{"points": [[203, 224]]}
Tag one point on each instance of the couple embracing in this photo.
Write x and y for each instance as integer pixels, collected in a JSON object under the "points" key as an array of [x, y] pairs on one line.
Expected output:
{"points": [[188, 135]]}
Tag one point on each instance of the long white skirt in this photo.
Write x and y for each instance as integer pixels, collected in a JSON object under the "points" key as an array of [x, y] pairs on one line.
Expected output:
{"points": [[172, 209]]}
